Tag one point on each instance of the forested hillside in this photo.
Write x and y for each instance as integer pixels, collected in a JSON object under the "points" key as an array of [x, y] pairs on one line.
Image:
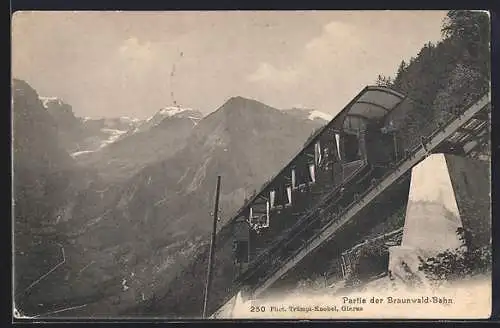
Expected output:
{"points": [[450, 74]]}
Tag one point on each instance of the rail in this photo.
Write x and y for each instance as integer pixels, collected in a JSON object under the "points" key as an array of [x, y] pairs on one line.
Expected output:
{"points": [[296, 228]]}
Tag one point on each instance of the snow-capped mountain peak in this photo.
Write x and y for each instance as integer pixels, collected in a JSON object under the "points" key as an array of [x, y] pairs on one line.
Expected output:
{"points": [[170, 112], [175, 111]]}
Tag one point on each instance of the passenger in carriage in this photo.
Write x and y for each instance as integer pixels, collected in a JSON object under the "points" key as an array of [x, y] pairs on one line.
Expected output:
{"points": [[280, 197], [303, 175]]}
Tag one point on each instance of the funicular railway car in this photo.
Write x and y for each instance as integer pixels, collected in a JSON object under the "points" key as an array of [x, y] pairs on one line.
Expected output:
{"points": [[376, 133], [334, 169]]}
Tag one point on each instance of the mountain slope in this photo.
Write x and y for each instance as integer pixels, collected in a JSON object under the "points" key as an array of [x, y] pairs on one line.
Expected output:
{"points": [[43, 180], [102, 132], [156, 221], [244, 141], [55, 204]]}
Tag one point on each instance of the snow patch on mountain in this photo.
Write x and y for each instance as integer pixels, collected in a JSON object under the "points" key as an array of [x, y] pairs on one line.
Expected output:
{"points": [[48, 100], [83, 152], [317, 114], [309, 114], [114, 134], [129, 119]]}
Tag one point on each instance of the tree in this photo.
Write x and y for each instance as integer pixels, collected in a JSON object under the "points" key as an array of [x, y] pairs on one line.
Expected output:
{"points": [[383, 81], [470, 31], [466, 24], [402, 67]]}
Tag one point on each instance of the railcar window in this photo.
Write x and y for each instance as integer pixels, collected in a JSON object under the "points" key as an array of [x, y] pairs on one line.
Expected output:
{"points": [[354, 123], [278, 197], [351, 148]]}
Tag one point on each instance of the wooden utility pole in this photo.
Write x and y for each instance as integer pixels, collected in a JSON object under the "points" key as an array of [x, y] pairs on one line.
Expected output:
{"points": [[212, 249]]}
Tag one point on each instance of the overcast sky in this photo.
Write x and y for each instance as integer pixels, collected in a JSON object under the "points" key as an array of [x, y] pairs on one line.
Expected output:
{"points": [[119, 63]]}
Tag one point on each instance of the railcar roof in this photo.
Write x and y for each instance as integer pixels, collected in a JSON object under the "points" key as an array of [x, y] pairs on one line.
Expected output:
{"points": [[372, 102]]}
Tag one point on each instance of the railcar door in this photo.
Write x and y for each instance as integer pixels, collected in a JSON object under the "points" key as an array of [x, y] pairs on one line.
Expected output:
{"points": [[353, 147], [380, 145]]}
